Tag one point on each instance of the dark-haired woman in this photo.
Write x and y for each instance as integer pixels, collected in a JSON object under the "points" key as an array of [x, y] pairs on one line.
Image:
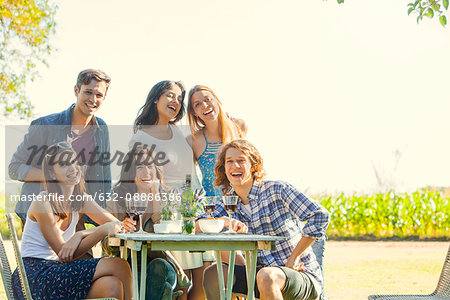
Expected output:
{"points": [[50, 243], [155, 128], [142, 179]]}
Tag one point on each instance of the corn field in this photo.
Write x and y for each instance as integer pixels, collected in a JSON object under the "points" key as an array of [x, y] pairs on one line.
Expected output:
{"points": [[421, 214]]}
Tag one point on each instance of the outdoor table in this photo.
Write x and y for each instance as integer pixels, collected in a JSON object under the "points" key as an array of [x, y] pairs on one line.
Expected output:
{"points": [[249, 243]]}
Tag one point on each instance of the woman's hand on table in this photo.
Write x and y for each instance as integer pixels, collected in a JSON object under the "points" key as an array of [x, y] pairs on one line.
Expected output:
{"points": [[129, 224], [114, 227]]}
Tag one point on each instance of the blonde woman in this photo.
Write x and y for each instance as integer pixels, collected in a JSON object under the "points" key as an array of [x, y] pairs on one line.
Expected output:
{"points": [[211, 127]]}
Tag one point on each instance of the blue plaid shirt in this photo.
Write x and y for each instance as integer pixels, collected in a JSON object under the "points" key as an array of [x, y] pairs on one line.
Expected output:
{"points": [[279, 209]]}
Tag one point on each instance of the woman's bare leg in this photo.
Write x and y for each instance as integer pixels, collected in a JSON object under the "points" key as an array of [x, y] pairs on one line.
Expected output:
{"points": [[111, 267], [211, 282], [196, 292], [105, 287], [185, 290]]}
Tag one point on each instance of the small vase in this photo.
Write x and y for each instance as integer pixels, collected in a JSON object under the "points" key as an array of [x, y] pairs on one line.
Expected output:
{"points": [[188, 225]]}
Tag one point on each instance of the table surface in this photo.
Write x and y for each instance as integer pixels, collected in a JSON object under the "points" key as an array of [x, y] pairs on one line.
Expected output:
{"points": [[200, 241], [211, 237]]}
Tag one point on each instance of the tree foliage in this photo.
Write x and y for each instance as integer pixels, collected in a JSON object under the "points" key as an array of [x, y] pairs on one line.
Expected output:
{"points": [[26, 29], [429, 8], [426, 8]]}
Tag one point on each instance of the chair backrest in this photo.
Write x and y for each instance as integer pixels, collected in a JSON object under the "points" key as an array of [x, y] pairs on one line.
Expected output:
{"points": [[5, 270], [20, 267], [443, 287]]}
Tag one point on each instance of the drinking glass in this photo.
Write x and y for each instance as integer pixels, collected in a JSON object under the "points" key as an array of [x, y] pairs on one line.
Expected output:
{"points": [[209, 205], [131, 209], [140, 204], [136, 206], [230, 205]]}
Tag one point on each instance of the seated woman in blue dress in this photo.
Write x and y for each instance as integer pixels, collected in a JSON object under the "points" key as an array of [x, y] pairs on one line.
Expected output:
{"points": [[50, 243]]}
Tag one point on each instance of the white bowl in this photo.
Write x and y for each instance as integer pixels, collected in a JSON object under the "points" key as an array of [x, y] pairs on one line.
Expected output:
{"points": [[162, 228], [211, 225]]}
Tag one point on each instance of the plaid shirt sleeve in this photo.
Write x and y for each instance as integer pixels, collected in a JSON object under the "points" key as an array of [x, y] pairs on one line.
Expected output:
{"points": [[219, 210], [306, 210]]}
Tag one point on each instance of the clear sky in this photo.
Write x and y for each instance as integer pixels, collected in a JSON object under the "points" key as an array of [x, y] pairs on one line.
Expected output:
{"points": [[328, 91]]}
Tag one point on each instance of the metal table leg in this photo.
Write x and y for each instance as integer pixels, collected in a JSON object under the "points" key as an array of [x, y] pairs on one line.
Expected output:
{"points": [[252, 274], [248, 262], [134, 273], [143, 271], [230, 274], [124, 252], [220, 274]]}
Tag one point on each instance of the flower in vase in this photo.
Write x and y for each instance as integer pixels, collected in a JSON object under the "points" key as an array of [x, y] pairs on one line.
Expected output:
{"points": [[167, 211]]}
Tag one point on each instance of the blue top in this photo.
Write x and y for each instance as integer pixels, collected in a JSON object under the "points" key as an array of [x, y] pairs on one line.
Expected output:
{"points": [[207, 162], [46, 131]]}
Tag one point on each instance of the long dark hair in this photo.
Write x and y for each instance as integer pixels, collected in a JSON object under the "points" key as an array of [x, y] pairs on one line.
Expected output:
{"points": [[52, 186], [148, 113], [126, 185]]}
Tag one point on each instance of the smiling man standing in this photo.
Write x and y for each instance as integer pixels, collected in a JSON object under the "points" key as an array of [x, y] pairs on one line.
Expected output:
{"points": [[273, 208], [77, 125]]}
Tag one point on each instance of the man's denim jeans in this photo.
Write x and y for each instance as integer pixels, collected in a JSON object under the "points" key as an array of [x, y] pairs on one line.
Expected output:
{"points": [[161, 279], [318, 247]]}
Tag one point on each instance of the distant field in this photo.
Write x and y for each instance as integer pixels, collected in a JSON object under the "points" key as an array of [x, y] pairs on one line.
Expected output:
{"points": [[353, 270]]}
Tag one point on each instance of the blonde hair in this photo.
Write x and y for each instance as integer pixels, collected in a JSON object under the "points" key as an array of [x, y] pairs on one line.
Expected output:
{"points": [[228, 130], [248, 150]]}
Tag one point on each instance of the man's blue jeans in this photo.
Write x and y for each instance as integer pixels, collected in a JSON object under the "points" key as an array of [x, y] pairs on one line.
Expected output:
{"points": [[161, 279], [318, 247]]}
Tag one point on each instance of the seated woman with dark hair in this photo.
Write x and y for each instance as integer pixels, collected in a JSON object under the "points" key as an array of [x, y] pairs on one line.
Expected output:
{"points": [[50, 243], [138, 178]]}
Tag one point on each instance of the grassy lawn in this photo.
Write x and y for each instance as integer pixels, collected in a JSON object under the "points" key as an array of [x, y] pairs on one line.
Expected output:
{"points": [[355, 270]]}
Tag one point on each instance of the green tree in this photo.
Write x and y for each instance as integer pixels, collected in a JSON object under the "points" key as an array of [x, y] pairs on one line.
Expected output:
{"points": [[429, 8], [26, 29], [426, 8]]}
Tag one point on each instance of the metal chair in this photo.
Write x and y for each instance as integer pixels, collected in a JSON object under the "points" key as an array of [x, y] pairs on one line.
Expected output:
{"points": [[5, 270], [20, 267], [441, 292]]}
